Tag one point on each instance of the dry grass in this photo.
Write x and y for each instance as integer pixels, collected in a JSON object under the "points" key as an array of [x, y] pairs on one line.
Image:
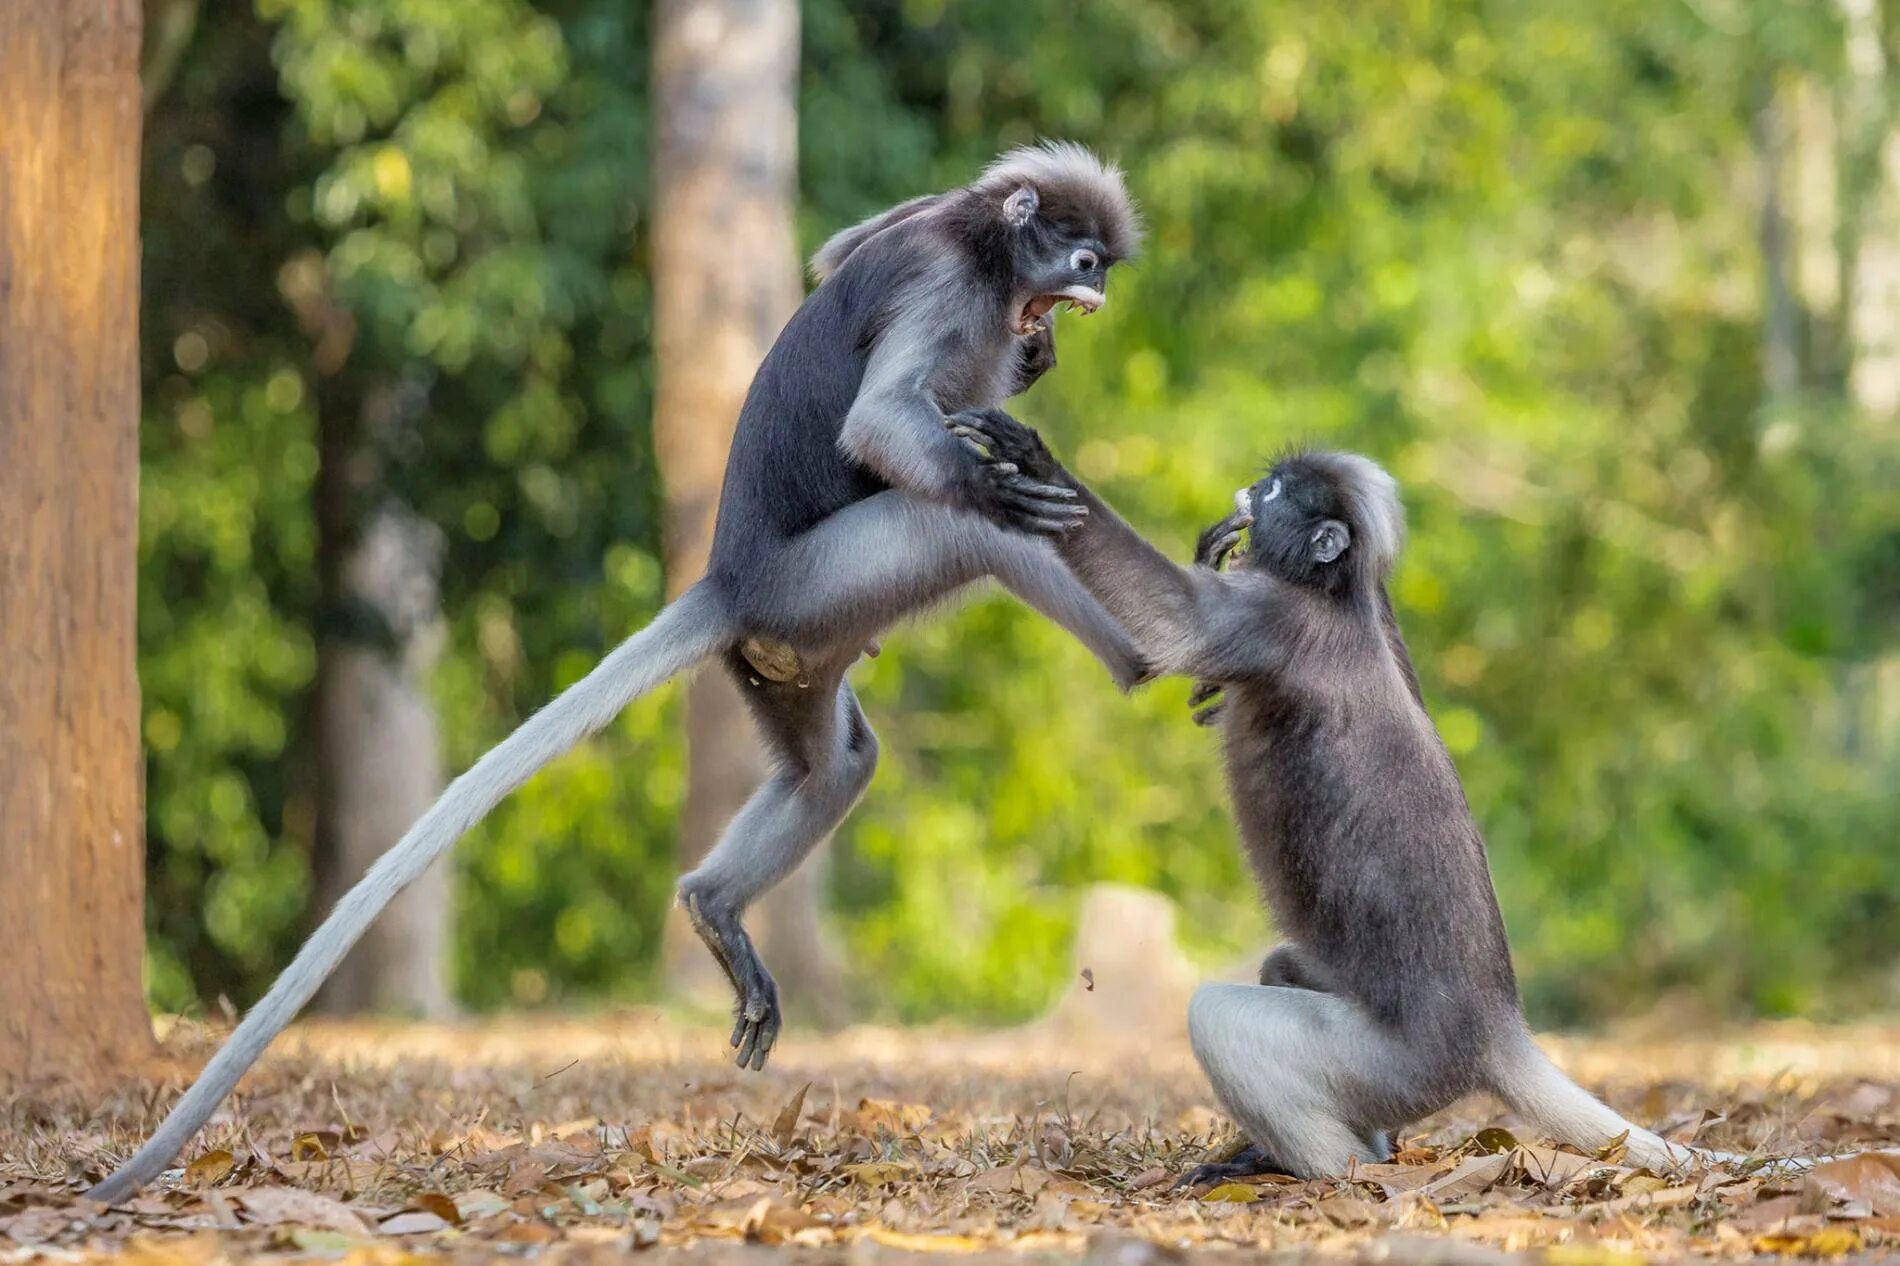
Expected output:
{"points": [[555, 1139]]}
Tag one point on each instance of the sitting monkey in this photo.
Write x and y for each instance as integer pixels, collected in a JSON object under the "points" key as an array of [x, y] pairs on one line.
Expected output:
{"points": [[1394, 994]]}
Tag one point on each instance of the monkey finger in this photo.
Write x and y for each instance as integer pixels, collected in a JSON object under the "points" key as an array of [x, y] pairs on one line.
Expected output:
{"points": [[761, 1036], [1207, 716], [1202, 692], [1045, 527], [1024, 483], [1023, 508], [1013, 492], [972, 433], [975, 449]]}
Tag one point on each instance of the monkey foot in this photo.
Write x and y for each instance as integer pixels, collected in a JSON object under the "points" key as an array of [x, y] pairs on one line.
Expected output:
{"points": [[755, 1012], [1249, 1162]]}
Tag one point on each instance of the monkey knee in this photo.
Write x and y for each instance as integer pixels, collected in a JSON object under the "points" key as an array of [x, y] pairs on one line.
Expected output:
{"points": [[1218, 1025], [703, 894], [1281, 967], [858, 759]]}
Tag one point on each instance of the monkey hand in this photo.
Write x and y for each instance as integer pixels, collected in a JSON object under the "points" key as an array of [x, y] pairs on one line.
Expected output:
{"points": [[1004, 489], [1219, 542], [1204, 692], [995, 436]]}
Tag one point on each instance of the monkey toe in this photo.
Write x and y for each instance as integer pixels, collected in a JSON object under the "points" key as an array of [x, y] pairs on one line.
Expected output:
{"points": [[756, 1019], [1250, 1162], [756, 1033], [1208, 716]]}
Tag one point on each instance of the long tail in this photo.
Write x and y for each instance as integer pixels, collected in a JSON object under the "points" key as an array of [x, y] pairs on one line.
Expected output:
{"points": [[1537, 1090], [692, 628]]}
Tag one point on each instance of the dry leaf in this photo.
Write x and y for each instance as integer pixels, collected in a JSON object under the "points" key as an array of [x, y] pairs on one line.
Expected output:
{"points": [[438, 1204], [1472, 1176], [908, 1243], [1494, 1139], [1650, 1198], [1832, 1241], [1871, 1178], [280, 1206], [1232, 1193], [896, 1118], [786, 1124], [313, 1146], [1549, 1167], [1395, 1179], [212, 1167], [879, 1173], [413, 1222]]}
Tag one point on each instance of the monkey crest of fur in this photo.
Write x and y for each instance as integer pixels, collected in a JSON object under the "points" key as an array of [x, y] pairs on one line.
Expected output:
{"points": [[1066, 177]]}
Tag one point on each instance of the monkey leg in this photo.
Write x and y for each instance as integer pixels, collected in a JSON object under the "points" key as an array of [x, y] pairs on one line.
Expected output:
{"points": [[879, 560], [1030, 568], [1312, 1080], [825, 753]]}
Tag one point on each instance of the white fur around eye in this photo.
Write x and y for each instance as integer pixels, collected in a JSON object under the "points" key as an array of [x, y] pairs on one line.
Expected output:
{"points": [[1273, 490]]}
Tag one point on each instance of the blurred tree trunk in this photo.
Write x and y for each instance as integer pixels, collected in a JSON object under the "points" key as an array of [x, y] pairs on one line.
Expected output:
{"points": [[379, 752], [381, 767], [1871, 237], [726, 278], [72, 913], [1781, 319], [1870, 266]]}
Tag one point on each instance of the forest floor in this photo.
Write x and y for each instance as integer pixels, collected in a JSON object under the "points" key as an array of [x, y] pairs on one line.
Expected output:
{"points": [[571, 1140]]}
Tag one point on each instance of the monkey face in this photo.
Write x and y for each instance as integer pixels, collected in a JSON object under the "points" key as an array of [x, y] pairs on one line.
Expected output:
{"points": [[1297, 517], [1059, 258]]}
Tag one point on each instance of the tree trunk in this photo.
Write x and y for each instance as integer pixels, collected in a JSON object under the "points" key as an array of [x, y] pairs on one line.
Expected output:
{"points": [[380, 758], [72, 913], [1870, 278], [1781, 323], [726, 278]]}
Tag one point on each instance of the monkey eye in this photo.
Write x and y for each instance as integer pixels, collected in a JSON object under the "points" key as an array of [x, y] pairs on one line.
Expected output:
{"points": [[1084, 260]]}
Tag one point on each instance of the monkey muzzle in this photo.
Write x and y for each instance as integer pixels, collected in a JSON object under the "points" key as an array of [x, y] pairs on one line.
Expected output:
{"points": [[1080, 298]]}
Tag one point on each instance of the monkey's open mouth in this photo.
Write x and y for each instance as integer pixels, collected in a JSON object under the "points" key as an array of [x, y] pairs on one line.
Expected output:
{"points": [[1083, 299]]}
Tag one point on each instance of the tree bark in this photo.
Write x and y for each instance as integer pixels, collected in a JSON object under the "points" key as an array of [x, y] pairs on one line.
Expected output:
{"points": [[380, 760], [726, 278], [71, 910], [1781, 322], [1870, 277]]}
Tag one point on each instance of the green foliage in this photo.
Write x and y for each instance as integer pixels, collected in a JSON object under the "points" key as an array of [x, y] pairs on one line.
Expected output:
{"points": [[1510, 250]]}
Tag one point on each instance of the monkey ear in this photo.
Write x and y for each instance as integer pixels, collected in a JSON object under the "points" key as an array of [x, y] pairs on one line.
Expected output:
{"points": [[1020, 206], [1330, 540]]}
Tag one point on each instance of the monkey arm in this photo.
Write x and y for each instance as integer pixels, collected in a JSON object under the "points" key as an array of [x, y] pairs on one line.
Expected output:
{"points": [[895, 427], [1189, 621]]}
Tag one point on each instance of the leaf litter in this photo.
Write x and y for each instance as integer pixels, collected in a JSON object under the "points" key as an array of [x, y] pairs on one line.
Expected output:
{"points": [[381, 1144]]}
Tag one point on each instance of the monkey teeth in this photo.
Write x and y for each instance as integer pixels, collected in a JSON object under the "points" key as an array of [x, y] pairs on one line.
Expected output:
{"points": [[1083, 299], [1079, 299]]}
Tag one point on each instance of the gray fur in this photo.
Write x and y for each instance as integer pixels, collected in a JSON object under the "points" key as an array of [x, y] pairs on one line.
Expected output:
{"points": [[1395, 995], [827, 258], [685, 633], [847, 506], [1063, 169]]}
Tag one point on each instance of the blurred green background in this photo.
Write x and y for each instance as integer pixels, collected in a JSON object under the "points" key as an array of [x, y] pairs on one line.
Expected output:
{"points": [[1585, 277]]}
